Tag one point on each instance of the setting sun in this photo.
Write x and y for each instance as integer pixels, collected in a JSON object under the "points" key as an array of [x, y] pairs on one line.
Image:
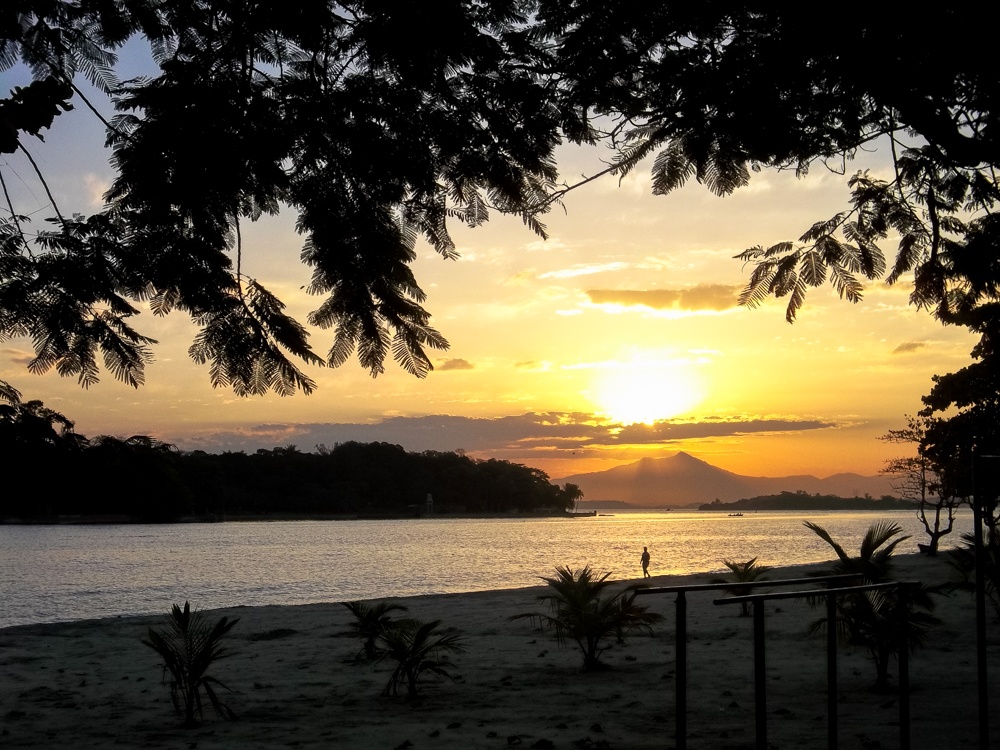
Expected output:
{"points": [[646, 393]]}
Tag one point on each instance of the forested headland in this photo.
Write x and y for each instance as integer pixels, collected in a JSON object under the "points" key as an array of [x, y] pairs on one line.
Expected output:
{"points": [[142, 479], [805, 501]]}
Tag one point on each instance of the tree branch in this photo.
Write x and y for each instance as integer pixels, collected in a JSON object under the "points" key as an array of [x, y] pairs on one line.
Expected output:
{"points": [[41, 178], [558, 194], [13, 216]]}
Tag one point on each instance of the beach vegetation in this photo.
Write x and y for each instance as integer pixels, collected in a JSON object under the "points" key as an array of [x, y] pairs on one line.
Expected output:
{"points": [[874, 558], [919, 479], [743, 572], [878, 620], [190, 645], [583, 608], [418, 648], [963, 562], [628, 613], [370, 621]]}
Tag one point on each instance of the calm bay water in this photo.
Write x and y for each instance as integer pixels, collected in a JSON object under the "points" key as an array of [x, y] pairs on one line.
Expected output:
{"points": [[59, 573]]}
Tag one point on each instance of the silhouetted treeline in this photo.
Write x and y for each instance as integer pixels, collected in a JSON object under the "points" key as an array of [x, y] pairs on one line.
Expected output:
{"points": [[364, 479], [804, 501], [146, 480]]}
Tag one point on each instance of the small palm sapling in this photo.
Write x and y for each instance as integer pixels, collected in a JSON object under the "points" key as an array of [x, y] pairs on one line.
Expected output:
{"points": [[189, 645], [583, 610]]}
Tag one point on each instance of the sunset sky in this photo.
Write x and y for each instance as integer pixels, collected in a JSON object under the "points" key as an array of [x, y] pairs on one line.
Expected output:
{"points": [[617, 338]]}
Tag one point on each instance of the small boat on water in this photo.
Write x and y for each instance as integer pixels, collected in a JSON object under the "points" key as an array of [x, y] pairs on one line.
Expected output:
{"points": [[735, 515]]}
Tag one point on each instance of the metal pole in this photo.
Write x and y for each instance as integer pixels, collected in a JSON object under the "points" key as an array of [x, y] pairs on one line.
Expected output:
{"points": [[977, 522], [680, 734], [680, 680], [760, 684], [831, 671], [760, 680], [904, 667]]}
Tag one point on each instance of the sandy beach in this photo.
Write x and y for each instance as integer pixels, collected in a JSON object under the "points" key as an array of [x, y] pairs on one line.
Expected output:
{"points": [[295, 681]]}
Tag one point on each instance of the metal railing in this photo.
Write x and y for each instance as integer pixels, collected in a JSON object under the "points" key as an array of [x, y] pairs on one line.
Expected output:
{"points": [[831, 594]]}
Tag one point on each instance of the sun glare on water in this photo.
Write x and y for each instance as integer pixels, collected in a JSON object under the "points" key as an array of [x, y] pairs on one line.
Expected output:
{"points": [[646, 394]]}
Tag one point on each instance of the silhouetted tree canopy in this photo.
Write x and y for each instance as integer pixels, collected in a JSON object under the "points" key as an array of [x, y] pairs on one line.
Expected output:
{"points": [[928, 478], [141, 478], [379, 123], [31, 423]]}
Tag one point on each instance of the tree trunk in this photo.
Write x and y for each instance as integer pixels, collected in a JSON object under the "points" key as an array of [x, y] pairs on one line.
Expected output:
{"points": [[411, 685], [936, 532], [882, 655]]}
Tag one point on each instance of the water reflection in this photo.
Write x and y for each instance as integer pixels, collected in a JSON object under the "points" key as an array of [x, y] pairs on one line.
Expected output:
{"points": [[53, 573]]}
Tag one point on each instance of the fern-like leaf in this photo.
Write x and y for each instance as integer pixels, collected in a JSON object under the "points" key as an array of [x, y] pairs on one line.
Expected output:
{"points": [[812, 268], [796, 298], [671, 169], [845, 284]]}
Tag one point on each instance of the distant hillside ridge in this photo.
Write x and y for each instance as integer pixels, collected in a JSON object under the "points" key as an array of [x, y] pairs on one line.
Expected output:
{"points": [[682, 480]]}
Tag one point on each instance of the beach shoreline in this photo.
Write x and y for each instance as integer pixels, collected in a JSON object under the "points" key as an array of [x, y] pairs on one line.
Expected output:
{"points": [[295, 680]]}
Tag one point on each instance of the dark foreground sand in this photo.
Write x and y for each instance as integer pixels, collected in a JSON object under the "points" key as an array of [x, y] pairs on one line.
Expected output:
{"points": [[296, 683]]}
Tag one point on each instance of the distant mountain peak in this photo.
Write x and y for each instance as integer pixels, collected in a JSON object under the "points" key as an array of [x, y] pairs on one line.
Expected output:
{"points": [[684, 456], [682, 479], [678, 457]]}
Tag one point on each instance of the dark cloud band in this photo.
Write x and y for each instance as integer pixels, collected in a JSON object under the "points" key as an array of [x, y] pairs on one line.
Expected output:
{"points": [[532, 431]]}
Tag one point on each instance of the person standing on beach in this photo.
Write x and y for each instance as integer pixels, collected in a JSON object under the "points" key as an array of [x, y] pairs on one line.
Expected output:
{"points": [[645, 563]]}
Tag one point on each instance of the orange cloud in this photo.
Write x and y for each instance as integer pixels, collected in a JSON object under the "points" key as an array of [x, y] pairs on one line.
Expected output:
{"points": [[454, 364], [701, 297]]}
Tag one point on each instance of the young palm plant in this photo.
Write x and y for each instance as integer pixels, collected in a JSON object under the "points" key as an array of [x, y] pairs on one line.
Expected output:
{"points": [[416, 648], [963, 562], [371, 621], [875, 556], [874, 620], [582, 609], [189, 645], [743, 572]]}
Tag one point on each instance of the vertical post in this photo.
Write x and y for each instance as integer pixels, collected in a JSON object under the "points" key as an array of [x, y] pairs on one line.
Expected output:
{"points": [[831, 672], [977, 530], [760, 680], [680, 733], [903, 612], [981, 562]]}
